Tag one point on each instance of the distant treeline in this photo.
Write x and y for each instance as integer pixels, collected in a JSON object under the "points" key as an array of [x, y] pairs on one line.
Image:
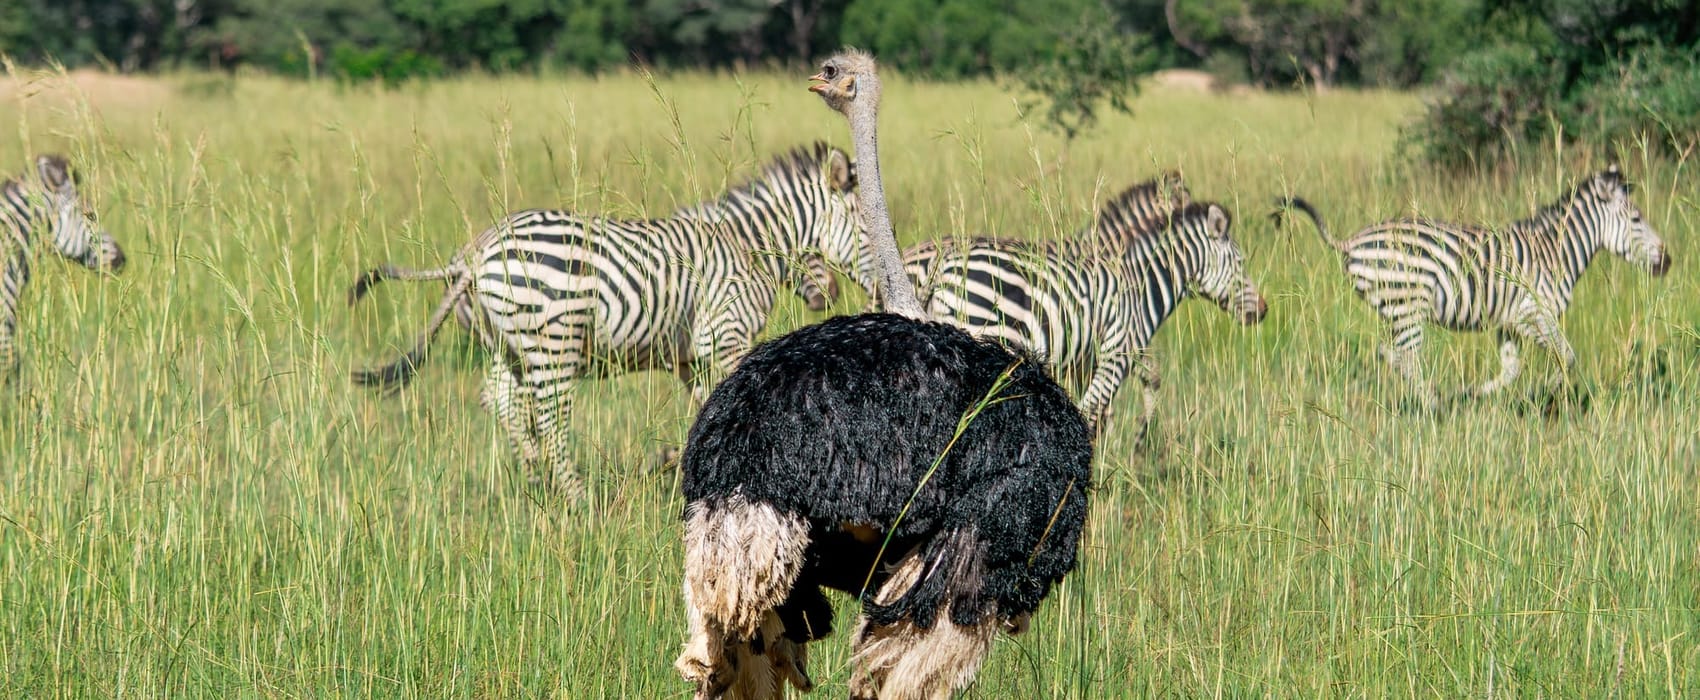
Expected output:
{"points": [[1266, 42], [1507, 72]]}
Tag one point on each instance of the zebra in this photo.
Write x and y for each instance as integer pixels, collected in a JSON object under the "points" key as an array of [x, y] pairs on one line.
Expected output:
{"points": [[1092, 316], [1518, 279], [558, 297], [816, 285], [55, 207], [1123, 217]]}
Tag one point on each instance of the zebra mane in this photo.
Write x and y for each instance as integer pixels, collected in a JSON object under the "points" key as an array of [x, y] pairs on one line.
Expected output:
{"points": [[1126, 212], [801, 162], [1191, 211], [1548, 217]]}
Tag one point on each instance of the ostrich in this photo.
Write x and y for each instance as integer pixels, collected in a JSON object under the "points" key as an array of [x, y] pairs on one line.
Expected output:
{"points": [[941, 479]]}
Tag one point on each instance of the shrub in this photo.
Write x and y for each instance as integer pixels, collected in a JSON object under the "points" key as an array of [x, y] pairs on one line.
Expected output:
{"points": [[392, 66], [1095, 64], [1488, 102], [1652, 97]]}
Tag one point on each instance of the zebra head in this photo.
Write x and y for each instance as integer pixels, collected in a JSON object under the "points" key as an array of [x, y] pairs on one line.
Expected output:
{"points": [[1622, 229], [833, 237], [75, 233], [818, 287], [1218, 268]]}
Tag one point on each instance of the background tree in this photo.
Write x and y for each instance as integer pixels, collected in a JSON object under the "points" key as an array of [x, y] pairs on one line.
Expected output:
{"points": [[1096, 64]]}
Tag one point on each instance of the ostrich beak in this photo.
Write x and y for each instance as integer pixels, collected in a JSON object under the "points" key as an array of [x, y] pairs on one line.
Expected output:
{"points": [[820, 82]]}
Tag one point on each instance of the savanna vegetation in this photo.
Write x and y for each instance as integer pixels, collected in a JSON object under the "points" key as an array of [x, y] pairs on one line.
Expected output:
{"points": [[195, 501]]}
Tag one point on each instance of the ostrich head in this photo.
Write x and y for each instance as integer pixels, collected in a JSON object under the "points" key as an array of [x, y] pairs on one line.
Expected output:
{"points": [[849, 83], [839, 76]]}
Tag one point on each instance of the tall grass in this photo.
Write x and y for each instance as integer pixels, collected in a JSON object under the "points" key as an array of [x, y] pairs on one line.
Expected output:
{"points": [[194, 500]]}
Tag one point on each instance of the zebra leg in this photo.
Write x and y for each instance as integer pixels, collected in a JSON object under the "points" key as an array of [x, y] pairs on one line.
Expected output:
{"points": [[513, 409], [1401, 352], [1107, 377], [8, 352], [1510, 365], [12, 279], [553, 388], [1145, 369], [1544, 329]]}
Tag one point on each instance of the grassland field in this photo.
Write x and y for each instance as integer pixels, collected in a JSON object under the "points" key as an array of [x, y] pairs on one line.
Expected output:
{"points": [[196, 502]]}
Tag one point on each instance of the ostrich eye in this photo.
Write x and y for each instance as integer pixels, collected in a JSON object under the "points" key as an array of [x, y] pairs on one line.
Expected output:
{"points": [[830, 71]]}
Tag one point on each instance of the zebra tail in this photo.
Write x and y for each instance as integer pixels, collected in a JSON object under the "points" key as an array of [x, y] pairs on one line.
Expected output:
{"points": [[370, 278], [1284, 204], [392, 377]]}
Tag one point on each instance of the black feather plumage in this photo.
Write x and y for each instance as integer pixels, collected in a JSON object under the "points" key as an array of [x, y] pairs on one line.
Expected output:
{"points": [[840, 423]]}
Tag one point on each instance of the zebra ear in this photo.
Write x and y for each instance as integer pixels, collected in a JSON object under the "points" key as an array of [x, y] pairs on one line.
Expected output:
{"points": [[840, 172], [1219, 220], [56, 175]]}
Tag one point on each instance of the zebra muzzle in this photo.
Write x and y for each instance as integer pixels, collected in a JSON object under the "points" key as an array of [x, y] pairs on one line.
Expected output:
{"points": [[1256, 313], [1664, 263]]}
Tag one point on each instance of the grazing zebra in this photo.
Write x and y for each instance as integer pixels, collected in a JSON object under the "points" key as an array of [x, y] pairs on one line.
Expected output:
{"points": [[559, 297], [24, 210], [1517, 279], [1091, 313]]}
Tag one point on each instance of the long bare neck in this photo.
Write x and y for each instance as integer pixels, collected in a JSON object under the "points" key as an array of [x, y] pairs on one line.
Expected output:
{"points": [[895, 288]]}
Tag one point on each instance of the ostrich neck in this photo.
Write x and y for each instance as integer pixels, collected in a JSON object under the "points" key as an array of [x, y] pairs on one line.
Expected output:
{"points": [[895, 288]]}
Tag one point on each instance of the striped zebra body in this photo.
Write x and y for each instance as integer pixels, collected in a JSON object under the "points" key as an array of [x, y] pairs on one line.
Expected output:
{"points": [[1122, 218], [1092, 316], [817, 286], [560, 297], [1517, 280], [53, 208]]}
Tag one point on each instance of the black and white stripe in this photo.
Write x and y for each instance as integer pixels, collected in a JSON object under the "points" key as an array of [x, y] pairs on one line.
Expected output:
{"points": [[53, 208], [559, 297], [816, 286], [1091, 305], [1128, 215], [1518, 279]]}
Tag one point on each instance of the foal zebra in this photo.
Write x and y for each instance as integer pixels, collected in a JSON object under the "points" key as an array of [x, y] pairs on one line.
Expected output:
{"points": [[559, 297], [1088, 310], [1518, 279], [56, 208]]}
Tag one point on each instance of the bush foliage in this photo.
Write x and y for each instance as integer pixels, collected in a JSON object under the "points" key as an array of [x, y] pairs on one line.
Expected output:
{"points": [[1615, 75]]}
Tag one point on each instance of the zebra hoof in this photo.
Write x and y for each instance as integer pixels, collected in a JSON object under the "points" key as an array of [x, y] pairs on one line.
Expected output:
{"points": [[560, 483], [1430, 405], [1146, 440], [1571, 398]]}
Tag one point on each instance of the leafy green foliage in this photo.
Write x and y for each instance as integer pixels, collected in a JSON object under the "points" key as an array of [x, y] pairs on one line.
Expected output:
{"points": [[1652, 97], [1605, 73], [1325, 42], [960, 38], [1492, 99], [1272, 43], [1095, 64]]}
